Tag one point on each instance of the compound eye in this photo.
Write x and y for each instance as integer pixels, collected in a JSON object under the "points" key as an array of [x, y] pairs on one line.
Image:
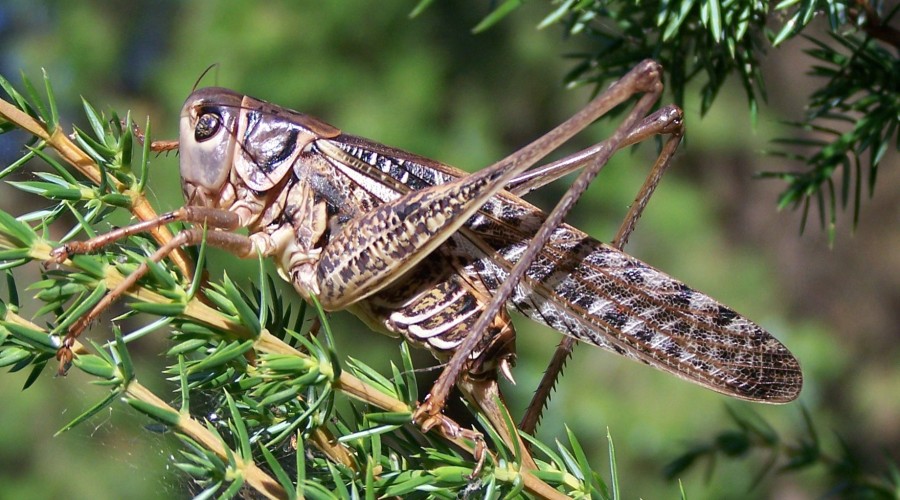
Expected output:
{"points": [[207, 126]]}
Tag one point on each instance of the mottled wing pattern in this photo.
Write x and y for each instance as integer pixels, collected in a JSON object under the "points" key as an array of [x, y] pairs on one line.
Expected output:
{"points": [[597, 294], [582, 288]]}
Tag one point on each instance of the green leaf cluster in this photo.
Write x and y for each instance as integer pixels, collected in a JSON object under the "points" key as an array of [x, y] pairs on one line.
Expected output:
{"points": [[851, 123], [851, 120]]}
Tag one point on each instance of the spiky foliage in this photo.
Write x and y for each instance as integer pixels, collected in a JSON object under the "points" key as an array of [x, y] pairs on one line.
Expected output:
{"points": [[850, 121]]}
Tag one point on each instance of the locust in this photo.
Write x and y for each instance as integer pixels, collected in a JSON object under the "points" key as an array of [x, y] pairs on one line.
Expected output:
{"points": [[419, 249]]}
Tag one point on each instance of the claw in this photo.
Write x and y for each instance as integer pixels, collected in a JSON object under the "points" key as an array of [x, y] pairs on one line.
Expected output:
{"points": [[480, 454], [428, 423], [506, 369], [60, 254], [64, 354], [428, 416], [65, 357]]}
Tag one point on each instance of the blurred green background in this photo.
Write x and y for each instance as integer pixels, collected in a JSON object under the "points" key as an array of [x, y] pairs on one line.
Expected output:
{"points": [[427, 85]]}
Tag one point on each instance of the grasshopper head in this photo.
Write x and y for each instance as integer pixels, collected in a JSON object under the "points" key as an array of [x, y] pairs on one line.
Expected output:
{"points": [[208, 127]]}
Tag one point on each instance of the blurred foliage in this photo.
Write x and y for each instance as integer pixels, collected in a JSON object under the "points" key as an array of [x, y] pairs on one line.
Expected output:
{"points": [[847, 472], [429, 87]]}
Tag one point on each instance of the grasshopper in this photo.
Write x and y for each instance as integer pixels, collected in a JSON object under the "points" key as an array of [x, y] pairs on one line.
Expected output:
{"points": [[419, 249]]}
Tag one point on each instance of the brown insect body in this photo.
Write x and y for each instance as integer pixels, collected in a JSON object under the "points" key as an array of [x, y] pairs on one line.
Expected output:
{"points": [[336, 209]]}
